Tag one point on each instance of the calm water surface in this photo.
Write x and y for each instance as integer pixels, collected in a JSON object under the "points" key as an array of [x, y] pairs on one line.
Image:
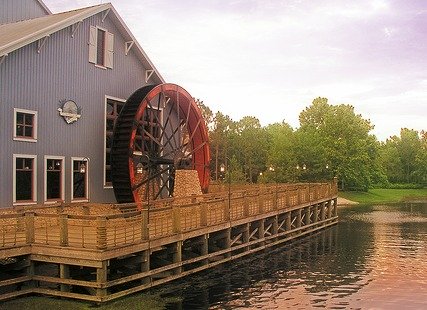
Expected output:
{"points": [[375, 258]]}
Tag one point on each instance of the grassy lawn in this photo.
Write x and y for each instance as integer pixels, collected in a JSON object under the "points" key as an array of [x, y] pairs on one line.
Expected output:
{"points": [[382, 195]]}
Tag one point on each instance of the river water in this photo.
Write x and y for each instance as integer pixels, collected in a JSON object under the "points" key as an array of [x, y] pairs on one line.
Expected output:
{"points": [[375, 258]]}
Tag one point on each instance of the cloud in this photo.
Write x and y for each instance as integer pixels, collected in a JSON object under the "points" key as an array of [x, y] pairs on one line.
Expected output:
{"points": [[271, 58]]}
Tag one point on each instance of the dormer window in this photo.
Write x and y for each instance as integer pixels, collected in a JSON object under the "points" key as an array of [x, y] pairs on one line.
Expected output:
{"points": [[101, 47]]}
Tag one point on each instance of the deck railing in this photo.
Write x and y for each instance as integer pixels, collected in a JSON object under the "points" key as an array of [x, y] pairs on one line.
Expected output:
{"points": [[121, 225]]}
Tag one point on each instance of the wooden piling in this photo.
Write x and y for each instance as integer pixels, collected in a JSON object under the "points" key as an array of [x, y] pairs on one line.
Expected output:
{"points": [[64, 273], [101, 278]]}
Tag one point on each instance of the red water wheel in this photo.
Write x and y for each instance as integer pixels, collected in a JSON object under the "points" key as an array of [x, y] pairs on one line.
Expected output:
{"points": [[159, 130]]}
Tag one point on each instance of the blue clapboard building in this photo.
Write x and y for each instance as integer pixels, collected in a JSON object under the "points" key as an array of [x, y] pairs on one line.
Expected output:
{"points": [[63, 80]]}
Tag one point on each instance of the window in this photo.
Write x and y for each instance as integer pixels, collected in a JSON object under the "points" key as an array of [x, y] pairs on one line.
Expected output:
{"points": [[24, 179], [79, 179], [54, 179], [112, 111], [101, 47], [25, 125]]}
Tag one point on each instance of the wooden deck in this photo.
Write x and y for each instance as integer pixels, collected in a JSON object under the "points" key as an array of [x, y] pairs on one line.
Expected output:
{"points": [[100, 254]]}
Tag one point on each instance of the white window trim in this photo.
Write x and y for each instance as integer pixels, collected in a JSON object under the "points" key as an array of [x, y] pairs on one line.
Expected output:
{"points": [[100, 67], [62, 198], [86, 159], [34, 190], [105, 134], [17, 138]]}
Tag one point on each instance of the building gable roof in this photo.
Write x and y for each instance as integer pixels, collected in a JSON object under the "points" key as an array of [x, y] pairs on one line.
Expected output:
{"points": [[19, 34]]}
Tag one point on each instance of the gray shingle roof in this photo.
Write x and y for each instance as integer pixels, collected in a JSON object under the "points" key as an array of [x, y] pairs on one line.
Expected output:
{"points": [[16, 35]]}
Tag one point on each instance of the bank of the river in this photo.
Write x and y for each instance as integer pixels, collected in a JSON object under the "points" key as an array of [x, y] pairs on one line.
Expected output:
{"points": [[345, 202], [385, 195], [146, 301]]}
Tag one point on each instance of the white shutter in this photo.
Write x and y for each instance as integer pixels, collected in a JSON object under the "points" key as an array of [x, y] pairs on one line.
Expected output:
{"points": [[92, 44], [109, 50]]}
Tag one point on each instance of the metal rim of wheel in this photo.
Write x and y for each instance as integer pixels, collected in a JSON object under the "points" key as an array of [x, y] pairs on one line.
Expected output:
{"points": [[159, 130]]}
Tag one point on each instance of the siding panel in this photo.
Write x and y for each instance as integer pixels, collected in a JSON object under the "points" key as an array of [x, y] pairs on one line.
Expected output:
{"points": [[16, 10]]}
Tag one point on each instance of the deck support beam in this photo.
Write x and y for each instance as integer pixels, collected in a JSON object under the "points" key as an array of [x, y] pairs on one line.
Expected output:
{"points": [[204, 249], [227, 240], [315, 213], [288, 221], [299, 218], [64, 273], [177, 256], [261, 231], [101, 278], [307, 216], [329, 209], [145, 265], [275, 228], [335, 207], [322, 211]]}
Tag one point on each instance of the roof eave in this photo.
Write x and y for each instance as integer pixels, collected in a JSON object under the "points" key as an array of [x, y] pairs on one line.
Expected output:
{"points": [[34, 37], [21, 42]]}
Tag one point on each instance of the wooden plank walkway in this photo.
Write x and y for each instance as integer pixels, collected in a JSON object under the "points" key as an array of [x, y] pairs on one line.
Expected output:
{"points": [[71, 252]]}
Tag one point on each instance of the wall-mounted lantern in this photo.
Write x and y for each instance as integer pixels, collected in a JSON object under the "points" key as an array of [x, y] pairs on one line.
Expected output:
{"points": [[82, 167]]}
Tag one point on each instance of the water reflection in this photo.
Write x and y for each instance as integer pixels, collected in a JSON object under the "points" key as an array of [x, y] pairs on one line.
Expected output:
{"points": [[374, 258]]}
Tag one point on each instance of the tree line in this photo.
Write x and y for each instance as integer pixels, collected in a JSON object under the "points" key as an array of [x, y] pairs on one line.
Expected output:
{"points": [[332, 140]]}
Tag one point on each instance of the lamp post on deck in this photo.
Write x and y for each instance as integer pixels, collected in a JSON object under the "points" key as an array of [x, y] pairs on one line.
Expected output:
{"points": [[223, 168], [140, 170], [272, 169], [303, 168]]}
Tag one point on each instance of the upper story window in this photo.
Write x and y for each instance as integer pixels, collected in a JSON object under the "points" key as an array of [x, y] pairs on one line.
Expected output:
{"points": [[101, 47], [25, 125]]}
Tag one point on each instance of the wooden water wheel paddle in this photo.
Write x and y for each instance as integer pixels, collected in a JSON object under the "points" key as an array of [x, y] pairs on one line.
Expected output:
{"points": [[159, 130]]}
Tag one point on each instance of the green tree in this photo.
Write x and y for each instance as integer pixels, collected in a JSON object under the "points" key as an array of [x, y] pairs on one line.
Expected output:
{"points": [[420, 172], [403, 157], [311, 157], [219, 135], [338, 138], [207, 113], [281, 152], [408, 149], [389, 159], [250, 147]]}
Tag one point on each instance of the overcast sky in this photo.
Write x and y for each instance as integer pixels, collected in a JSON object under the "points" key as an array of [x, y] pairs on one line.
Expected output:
{"points": [[271, 58]]}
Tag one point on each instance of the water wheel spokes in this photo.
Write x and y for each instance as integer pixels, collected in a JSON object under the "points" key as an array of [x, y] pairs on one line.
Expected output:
{"points": [[160, 129]]}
